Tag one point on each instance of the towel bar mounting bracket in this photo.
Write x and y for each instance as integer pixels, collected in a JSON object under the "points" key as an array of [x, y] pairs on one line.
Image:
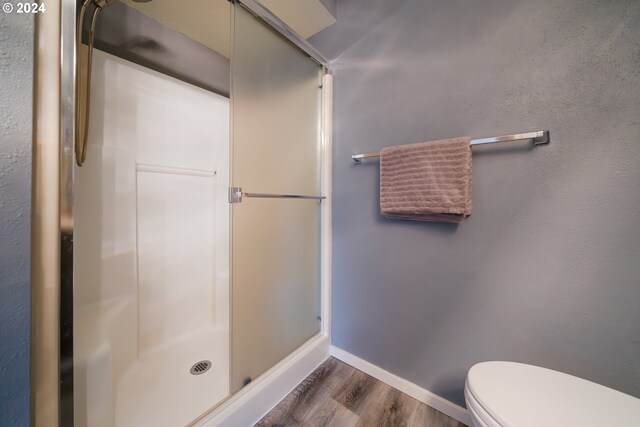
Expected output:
{"points": [[542, 138]]}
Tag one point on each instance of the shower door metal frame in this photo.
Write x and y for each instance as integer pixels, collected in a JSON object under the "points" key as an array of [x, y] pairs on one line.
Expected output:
{"points": [[52, 363], [52, 217]]}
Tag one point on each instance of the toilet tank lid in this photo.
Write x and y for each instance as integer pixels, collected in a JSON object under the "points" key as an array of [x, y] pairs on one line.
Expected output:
{"points": [[520, 395]]}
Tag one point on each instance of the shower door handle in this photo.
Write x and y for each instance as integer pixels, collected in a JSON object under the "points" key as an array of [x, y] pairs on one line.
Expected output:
{"points": [[236, 194]]}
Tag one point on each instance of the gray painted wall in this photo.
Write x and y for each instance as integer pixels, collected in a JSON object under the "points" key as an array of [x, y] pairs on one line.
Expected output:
{"points": [[16, 74], [547, 269], [354, 19]]}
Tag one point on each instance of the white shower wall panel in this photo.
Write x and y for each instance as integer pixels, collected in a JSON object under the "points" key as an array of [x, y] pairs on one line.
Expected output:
{"points": [[176, 262], [151, 258], [105, 224], [163, 120]]}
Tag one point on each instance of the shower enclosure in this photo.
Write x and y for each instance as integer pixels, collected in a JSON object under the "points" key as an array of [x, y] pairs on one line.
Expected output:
{"points": [[192, 249]]}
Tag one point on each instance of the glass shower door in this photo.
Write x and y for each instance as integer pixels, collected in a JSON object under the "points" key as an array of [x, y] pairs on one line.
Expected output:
{"points": [[276, 158]]}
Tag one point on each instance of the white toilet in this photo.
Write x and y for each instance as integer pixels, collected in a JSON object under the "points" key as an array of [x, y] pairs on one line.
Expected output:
{"points": [[508, 394]]}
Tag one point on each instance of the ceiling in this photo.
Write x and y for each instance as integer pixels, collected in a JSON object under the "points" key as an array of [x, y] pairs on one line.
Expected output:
{"points": [[209, 23]]}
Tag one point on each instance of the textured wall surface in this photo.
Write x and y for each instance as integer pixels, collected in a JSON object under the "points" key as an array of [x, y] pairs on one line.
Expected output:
{"points": [[354, 19], [16, 65], [546, 271]]}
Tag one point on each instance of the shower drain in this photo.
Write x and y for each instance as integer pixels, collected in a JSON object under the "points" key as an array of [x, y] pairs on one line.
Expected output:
{"points": [[200, 367]]}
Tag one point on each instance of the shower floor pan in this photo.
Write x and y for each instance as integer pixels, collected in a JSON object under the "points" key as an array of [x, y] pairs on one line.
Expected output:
{"points": [[159, 390]]}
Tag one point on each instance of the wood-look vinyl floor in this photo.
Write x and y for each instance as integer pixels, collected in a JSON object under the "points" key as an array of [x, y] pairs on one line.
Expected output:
{"points": [[337, 394]]}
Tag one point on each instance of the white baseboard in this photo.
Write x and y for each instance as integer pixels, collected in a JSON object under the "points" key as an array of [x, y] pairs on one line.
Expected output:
{"points": [[249, 405], [407, 387]]}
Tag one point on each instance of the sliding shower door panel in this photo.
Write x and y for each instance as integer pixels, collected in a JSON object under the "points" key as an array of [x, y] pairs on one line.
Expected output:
{"points": [[276, 150]]}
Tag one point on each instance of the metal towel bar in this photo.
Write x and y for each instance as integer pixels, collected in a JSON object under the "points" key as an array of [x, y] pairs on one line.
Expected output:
{"points": [[539, 138]]}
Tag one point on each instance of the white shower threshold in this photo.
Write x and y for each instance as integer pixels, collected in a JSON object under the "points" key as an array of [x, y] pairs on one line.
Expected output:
{"points": [[249, 405], [159, 389]]}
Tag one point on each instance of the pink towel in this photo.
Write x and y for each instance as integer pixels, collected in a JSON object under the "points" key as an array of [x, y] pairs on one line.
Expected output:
{"points": [[427, 181]]}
